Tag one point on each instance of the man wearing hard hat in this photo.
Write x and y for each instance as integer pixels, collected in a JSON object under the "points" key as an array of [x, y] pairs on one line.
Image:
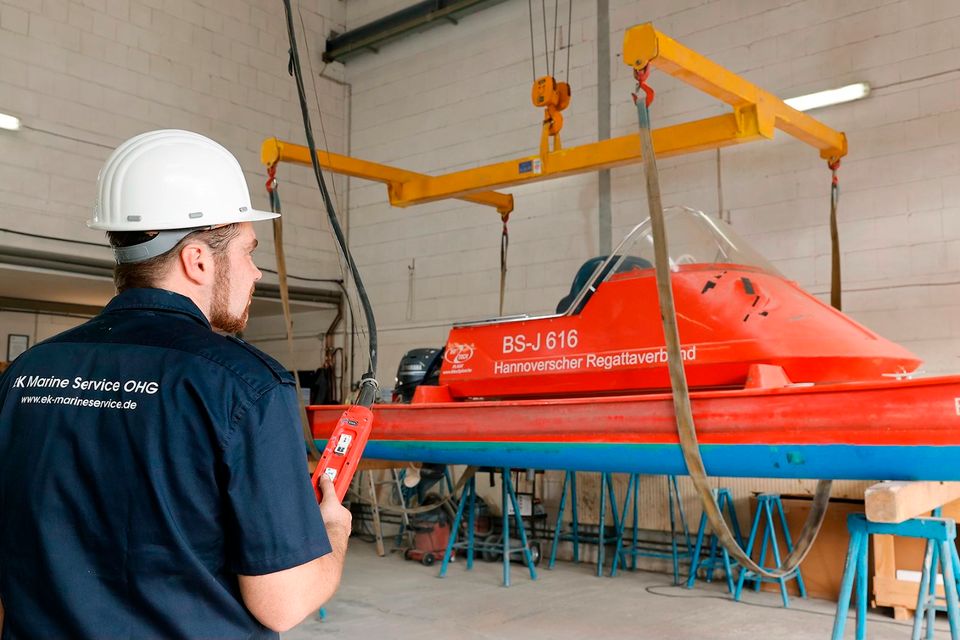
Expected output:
{"points": [[153, 481]]}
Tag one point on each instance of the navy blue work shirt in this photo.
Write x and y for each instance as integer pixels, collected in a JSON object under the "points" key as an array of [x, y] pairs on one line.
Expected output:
{"points": [[145, 462]]}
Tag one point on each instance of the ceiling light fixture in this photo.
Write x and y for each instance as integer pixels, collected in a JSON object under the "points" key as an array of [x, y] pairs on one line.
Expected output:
{"points": [[9, 122], [829, 97]]}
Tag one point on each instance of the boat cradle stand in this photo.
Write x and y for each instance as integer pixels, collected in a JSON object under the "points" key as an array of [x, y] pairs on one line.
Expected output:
{"points": [[468, 502], [603, 536], [767, 503], [635, 548], [715, 552], [940, 534]]}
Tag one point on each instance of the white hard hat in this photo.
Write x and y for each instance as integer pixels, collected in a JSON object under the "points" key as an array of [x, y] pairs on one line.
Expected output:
{"points": [[171, 179]]}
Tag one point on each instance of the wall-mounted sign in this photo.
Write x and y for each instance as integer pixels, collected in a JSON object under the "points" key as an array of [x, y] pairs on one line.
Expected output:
{"points": [[16, 344]]}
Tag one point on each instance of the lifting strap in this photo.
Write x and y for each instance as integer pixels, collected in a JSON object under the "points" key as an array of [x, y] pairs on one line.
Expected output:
{"points": [[273, 193], [504, 245], [835, 288], [686, 428]]}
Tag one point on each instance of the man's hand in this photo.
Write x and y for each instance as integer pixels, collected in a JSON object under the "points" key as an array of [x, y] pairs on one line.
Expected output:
{"points": [[336, 517]]}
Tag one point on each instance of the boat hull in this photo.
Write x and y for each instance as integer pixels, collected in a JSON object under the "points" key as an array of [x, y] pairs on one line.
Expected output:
{"points": [[891, 430]]}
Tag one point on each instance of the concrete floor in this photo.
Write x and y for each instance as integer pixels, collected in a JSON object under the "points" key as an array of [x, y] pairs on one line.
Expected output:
{"points": [[392, 599]]}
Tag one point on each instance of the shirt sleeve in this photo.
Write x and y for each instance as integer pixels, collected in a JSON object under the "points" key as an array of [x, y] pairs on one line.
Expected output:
{"points": [[276, 522]]}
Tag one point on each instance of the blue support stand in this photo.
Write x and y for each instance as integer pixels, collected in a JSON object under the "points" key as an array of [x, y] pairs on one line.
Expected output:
{"points": [[569, 482], [940, 534], [767, 503], [602, 537], [716, 552], [637, 549], [468, 503]]}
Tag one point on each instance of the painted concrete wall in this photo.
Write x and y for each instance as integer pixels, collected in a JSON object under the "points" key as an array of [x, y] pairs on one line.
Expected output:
{"points": [[85, 75], [457, 96]]}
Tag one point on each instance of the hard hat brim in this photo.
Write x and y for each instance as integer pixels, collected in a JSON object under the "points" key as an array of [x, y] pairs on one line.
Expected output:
{"points": [[250, 215], [255, 215]]}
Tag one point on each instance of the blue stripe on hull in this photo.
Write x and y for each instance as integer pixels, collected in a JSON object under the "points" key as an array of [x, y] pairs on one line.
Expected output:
{"points": [[850, 462]]}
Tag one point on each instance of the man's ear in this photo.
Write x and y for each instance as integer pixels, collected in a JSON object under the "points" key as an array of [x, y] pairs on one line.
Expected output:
{"points": [[197, 263]]}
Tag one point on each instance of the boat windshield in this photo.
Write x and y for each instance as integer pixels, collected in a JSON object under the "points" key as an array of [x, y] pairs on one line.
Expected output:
{"points": [[693, 237]]}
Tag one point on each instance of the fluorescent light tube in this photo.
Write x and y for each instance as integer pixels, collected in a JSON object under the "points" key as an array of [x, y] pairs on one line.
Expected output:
{"points": [[9, 122], [831, 96]]}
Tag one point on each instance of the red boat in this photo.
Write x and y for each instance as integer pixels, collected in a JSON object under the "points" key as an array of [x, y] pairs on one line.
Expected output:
{"points": [[782, 385]]}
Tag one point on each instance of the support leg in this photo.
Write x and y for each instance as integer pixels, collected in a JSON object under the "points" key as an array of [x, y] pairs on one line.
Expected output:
{"points": [[695, 561], [405, 519], [846, 583], [768, 532], [471, 523], [504, 501], [925, 577], [687, 540], [727, 569], [950, 587], [636, 520], [576, 519], [377, 530], [932, 592], [732, 512], [518, 517], [711, 557], [455, 527], [862, 580], [749, 550], [602, 526], [618, 549], [775, 547], [617, 520], [556, 529], [673, 534], [789, 541]]}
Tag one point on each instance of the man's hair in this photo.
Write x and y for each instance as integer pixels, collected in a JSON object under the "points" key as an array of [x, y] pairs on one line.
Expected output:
{"points": [[150, 272]]}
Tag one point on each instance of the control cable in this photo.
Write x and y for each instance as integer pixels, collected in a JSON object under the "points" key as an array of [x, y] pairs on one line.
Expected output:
{"points": [[368, 384]]}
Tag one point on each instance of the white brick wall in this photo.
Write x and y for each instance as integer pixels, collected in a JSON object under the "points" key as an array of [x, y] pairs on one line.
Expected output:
{"points": [[457, 96], [85, 75]]}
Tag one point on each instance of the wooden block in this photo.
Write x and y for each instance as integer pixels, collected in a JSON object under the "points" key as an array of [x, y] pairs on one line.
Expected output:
{"points": [[902, 613], [895, 502]]}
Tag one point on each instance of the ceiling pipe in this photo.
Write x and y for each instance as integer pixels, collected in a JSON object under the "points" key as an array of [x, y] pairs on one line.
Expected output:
{"points": [[416, 17]]}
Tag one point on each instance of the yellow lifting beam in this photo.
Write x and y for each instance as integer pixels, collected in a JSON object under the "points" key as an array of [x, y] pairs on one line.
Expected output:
{"points": [[273, 151], [755, 114]]}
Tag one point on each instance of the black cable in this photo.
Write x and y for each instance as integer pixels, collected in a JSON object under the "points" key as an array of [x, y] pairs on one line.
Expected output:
{"points": [[546, 48], [42, 237], [336, 281], [66, 137], [556, 14], [316, 94], [566, 77], [331, 212], [533, 54]]}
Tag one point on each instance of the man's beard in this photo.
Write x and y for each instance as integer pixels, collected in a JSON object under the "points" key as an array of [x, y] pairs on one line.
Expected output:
{"points": [[220, 316]]}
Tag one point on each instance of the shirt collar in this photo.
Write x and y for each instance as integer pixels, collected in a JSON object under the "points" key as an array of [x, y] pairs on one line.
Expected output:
{"points": [[156, 300]]}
